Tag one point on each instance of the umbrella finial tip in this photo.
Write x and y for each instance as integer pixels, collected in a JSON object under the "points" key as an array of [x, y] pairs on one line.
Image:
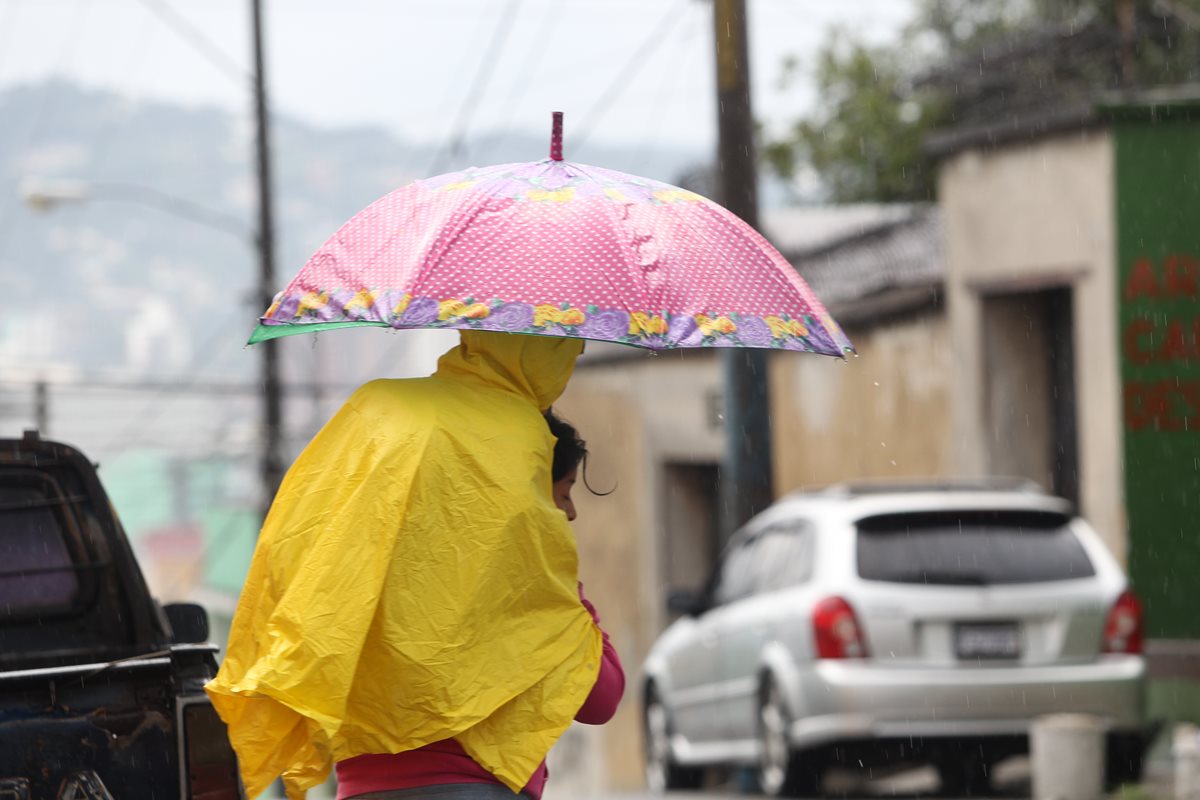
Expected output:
{"points": [[556, 135]]}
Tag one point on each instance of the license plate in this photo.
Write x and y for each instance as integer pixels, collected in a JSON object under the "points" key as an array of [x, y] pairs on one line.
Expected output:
{"points": [[987, 640]]}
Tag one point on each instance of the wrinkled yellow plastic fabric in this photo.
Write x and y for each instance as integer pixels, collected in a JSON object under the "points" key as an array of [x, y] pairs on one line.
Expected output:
{"points": [[414, 581]]}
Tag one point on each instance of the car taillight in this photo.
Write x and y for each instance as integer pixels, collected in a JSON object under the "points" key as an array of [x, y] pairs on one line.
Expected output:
{"points": [[211, 764], [1123, 628], [836, 630]]}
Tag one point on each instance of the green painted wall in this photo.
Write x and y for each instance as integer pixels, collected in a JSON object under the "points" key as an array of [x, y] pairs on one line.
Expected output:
{"points": [[229, 538], [145, 487], [139, 486], [1158, 255]]}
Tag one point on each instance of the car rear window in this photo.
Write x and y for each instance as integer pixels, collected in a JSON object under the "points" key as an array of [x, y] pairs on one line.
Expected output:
{"points": [[37, 572], [970, 548]]}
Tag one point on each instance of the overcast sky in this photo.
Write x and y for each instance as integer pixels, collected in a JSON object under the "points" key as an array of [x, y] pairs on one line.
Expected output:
{"points": [[624, 71]]}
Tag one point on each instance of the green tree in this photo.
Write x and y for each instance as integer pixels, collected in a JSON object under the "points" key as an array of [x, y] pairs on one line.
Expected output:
{"points": [[972, 62], [863, 140]]}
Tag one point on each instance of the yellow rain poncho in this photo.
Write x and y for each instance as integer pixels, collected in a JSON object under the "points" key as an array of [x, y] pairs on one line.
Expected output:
{"points": [[414, 581]]}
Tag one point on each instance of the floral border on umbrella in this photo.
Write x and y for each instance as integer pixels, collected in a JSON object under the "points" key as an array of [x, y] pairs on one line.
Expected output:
{"points": [[654, 330]]}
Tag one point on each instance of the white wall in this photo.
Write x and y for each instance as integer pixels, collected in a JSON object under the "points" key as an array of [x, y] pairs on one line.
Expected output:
{"points": [[1030, 217]]}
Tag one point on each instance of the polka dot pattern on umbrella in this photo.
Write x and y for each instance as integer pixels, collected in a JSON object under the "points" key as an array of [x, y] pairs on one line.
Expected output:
{"points": [[559, 249]]}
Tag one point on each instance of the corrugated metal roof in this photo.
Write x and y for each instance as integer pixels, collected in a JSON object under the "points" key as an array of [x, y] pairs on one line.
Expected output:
{"points": [[848, 254], [805, 228]]}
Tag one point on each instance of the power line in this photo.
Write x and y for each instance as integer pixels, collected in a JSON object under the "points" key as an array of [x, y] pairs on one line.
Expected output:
{"points": [[663, 29], [648, 141], [179, 386], [524, 75], [627, 73], [198, 41], [157, 403], [482, 75]]}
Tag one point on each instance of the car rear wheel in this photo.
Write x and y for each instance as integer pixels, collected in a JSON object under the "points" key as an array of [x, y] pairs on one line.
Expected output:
{"points": [[781, 771], [662, 773], [964, 776]]}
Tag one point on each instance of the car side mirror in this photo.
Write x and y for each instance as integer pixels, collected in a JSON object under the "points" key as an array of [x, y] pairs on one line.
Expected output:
{"points": [[686, 601], [189, 623]]}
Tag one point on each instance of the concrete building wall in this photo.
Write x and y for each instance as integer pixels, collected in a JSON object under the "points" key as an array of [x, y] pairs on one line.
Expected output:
{"points": [[1039, 216], [884, 414]]}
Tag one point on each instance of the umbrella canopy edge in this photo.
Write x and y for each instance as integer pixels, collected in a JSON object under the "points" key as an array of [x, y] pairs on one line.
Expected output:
{"points": [[264, 333]]}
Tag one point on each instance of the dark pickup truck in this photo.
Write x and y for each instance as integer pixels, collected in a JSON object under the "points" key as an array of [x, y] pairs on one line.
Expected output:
{"points": [[101, 688]]}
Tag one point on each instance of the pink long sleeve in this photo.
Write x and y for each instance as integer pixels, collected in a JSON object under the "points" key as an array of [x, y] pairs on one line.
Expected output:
{"points": [[606, 694]]}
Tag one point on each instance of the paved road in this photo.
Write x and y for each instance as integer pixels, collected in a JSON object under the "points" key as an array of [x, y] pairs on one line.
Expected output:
{"points": [[1012, 782]]}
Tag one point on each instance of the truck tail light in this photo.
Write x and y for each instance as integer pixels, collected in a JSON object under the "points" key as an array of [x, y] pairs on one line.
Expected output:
{"points": [[836, 630], [1123, 628], [212, 767]]}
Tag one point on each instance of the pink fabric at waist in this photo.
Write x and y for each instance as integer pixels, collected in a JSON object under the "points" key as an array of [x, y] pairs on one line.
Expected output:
{"points": [[434, 764]]}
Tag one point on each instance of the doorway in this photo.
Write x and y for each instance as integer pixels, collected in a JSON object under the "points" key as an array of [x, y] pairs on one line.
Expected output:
{"points": [[1029, 387], [690, 524]]}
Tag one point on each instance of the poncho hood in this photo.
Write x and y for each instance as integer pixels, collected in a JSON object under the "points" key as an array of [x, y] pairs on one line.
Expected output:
{"points": [[537, 368], [413, 581]]}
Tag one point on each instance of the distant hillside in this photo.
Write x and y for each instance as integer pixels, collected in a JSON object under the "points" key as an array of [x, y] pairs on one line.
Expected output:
{"points": [[116, 285]]}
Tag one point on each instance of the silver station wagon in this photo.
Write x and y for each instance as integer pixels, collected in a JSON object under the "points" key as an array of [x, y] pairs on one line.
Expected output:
{"points": [[876, 625]]}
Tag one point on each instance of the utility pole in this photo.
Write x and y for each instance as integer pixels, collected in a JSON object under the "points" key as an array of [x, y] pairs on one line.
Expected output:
{"points": [[272, 408], [746, 478], [41, 408]]}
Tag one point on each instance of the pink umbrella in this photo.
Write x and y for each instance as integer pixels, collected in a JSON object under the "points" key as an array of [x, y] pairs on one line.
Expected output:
{"points": [[557, 249]]}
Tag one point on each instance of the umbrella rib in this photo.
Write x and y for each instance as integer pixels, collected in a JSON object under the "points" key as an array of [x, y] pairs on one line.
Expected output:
{"points": [[625, 248], [786, 275], [429, 258], [700, 232]]}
